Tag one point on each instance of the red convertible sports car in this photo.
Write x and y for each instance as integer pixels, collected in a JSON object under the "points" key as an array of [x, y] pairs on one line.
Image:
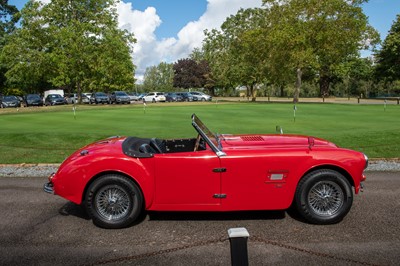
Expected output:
{"points": [[116, 179]]}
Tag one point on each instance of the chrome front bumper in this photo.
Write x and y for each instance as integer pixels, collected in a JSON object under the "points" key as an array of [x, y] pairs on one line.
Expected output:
{"points": [[48, 188]]}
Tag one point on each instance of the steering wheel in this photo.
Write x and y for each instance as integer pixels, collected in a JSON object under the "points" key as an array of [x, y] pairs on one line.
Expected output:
{"points": [[154, 145], [197, 144]]}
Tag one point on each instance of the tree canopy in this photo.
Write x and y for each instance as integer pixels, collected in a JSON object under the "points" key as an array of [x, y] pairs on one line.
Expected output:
{"points": [[159, 78], [9, 16], [289, 45], [278, 43], [190, 74], [70, 44], [388, 58]]}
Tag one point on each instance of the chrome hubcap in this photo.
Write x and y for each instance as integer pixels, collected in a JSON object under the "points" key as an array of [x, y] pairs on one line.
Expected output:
{"points": [[112, 202], [326, 198]]}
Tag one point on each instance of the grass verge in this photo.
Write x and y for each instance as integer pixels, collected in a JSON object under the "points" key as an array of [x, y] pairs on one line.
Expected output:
{"points": [[49, 135]]}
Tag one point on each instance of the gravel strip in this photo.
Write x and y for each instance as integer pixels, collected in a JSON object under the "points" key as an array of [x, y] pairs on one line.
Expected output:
{"points": [[384, 165], [27, 170], [44, 170]]}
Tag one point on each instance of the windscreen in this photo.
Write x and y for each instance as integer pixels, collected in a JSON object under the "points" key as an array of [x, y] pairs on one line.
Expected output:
{"points": [[204, 130]]}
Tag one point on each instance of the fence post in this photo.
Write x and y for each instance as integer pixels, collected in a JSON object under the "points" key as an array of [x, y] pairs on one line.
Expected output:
{"points": [[238, 240]]}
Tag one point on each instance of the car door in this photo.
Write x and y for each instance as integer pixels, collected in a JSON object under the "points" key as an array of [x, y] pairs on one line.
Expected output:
{"points": [[187, 181], [149, 97], [260, 180], [93, 98]]}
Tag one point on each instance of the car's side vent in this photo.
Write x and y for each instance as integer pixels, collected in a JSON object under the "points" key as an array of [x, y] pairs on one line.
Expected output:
{"points": [[252, 138]]}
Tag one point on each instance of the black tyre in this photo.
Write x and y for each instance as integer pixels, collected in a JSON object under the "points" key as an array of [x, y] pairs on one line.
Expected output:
{"points": [[323, 197], [113, 201]]}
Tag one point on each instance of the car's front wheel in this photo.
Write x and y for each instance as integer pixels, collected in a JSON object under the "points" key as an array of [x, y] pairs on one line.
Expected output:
{"points": [[323, 197], [113, 201]]}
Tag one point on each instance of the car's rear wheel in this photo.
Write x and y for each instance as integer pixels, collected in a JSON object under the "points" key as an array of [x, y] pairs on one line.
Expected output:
{"points": [[323, 197], [113, 201]]}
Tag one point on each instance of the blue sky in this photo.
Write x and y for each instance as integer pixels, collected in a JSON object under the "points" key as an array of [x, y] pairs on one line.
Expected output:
{"points": [[381, 14], [175, 14], [168, 30]]}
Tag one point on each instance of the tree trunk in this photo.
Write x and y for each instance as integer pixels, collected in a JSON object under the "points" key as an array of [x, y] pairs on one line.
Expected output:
{"points": [[79, 92], [296, 94], [282, 90], [324, 81], [253, 93]]}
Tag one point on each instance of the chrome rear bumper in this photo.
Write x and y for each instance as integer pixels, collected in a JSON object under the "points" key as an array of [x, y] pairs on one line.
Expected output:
{"points": [[48, 188]]}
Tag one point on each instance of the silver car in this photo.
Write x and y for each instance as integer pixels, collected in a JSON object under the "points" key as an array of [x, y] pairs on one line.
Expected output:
{"points": [[120, 97], [200, 96]]}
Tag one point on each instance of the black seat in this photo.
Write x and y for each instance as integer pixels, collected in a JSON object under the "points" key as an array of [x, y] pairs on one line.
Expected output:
{"points": [[146, 148], [158, 145]]}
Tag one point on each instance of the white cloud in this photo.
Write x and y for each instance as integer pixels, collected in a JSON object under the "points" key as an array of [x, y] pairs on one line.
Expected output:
{"points": [[149, 51]]}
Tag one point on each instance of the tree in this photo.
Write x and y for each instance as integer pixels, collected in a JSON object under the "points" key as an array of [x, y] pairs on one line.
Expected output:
{"points": [[9, 16], [316, 34], [25, 54], [237, 52], [388, 58], [355, 76], [71, 44], [215, 52], [159, 78], [198, 55], [190, 74]]}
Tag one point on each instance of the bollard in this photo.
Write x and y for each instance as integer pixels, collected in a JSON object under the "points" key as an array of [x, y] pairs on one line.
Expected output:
{"points": [[238, 240]]}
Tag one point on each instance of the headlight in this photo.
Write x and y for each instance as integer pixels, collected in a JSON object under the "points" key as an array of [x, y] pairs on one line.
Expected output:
{"points": [[366, 161]]}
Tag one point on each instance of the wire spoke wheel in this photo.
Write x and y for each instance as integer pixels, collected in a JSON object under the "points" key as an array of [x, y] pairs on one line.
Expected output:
{"points": [[326, 198], [112, 202], [323, 196]]}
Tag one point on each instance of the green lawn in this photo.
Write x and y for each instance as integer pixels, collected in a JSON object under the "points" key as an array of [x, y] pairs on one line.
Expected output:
{"points": [[48, 135]]}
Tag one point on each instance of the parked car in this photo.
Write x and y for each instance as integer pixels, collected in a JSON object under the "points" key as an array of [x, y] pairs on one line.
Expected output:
{"points": [[54, 99], [186, 96], [87, 94], [119, 97], [85, 99], [10, 101], [20, 99], [154, 97], [33, 100], [73, 98], [173, 97], [99, 97], [133, 96], [116, 179], [200, 96]]}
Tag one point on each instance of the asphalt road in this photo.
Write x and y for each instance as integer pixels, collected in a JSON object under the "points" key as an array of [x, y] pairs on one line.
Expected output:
{"points": [[41, 229]]}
